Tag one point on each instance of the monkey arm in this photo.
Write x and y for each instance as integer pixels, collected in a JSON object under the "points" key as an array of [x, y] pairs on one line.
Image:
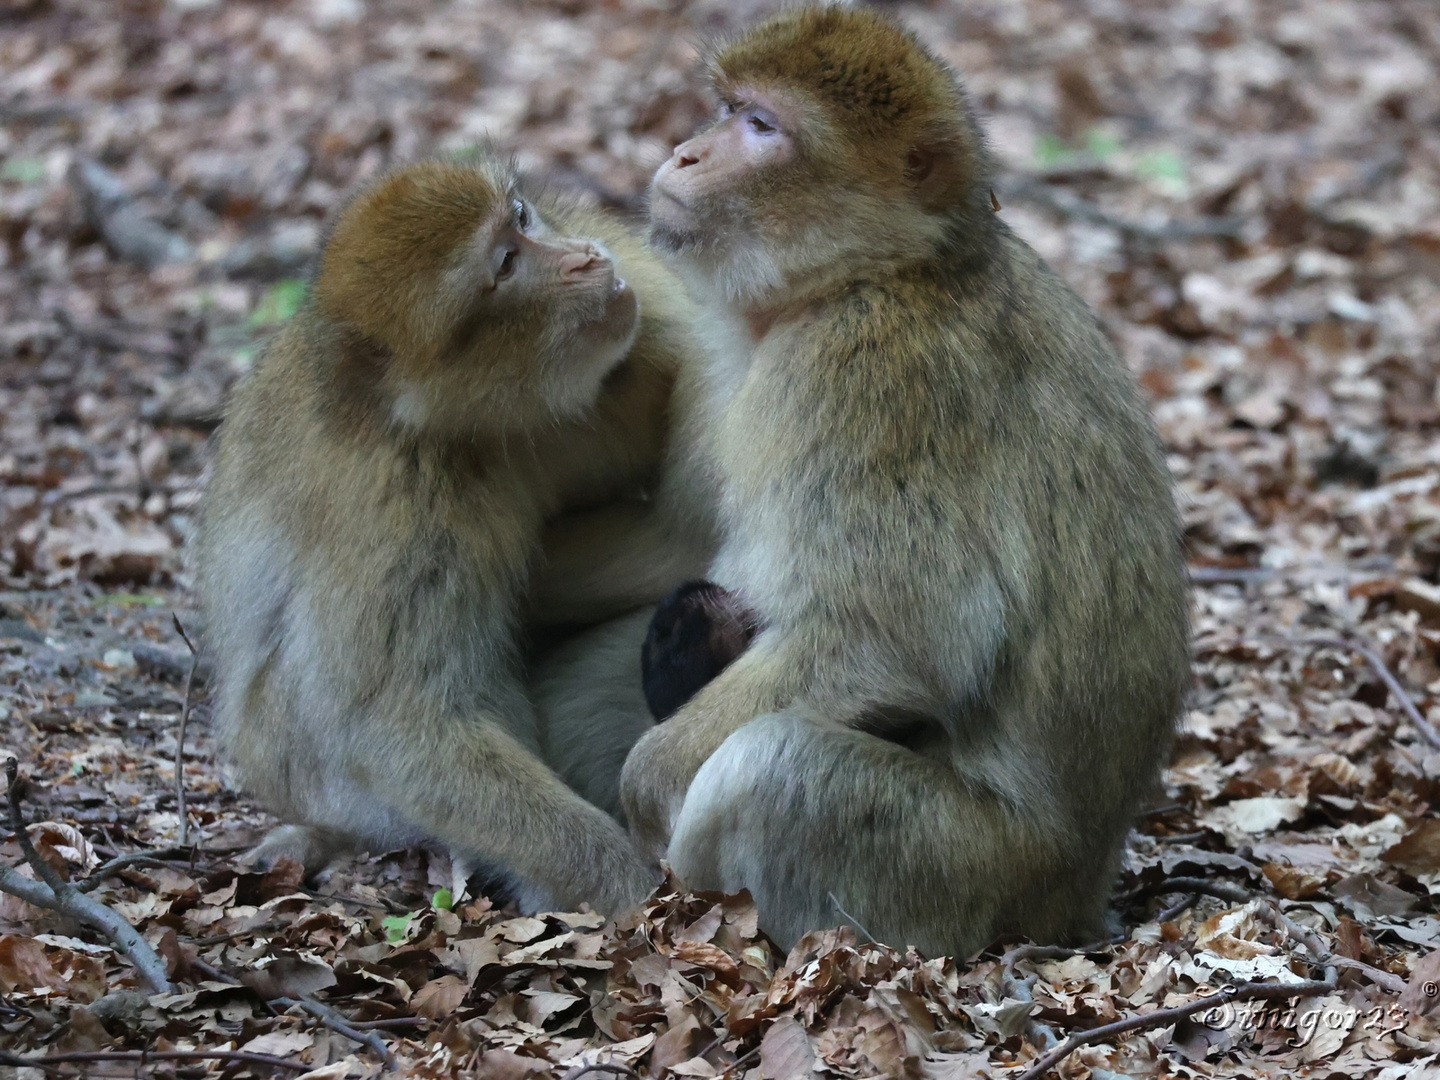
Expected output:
{"points": [[471, 784], [603, 562], [660, 767]]}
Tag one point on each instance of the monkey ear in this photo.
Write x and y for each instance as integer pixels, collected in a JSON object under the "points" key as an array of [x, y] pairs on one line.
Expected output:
{"points": [[938, 168]]}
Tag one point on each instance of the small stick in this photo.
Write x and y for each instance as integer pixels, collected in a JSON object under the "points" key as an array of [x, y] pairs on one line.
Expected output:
{"points": [[336, 1022], [180, 736], [51, 1061], [1308, 938], [1221, 890], [743, 1058], [1033, 952], [263, 928], [603, 1067], [55, 893], [869, 937], [153, 857], [1170, 912], [1377, 665], [1254, 991], [392, 1022]]}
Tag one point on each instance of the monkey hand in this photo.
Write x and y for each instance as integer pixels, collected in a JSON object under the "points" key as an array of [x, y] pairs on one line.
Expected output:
{"points": [[653, 783]]}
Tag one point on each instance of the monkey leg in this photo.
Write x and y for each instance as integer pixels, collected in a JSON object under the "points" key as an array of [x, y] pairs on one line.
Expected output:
{"points": [[813, 818], [591, 706]]}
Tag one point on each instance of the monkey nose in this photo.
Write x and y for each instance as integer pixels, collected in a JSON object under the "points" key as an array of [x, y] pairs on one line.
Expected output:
{"points": [[576, 264]]}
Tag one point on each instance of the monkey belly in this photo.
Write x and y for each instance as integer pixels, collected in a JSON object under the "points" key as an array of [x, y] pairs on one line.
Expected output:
{"points": [[813, 819]]}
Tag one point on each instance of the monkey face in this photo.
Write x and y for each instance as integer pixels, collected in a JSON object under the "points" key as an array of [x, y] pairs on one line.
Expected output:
{"points": [[834, 152], [545, 316], [711, 204], [489, 321]]}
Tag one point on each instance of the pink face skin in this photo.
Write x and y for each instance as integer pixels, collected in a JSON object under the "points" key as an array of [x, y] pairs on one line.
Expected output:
{"points": [[755, 132]]}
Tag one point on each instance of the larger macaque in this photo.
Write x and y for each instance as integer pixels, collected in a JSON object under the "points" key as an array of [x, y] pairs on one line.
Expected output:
{"points": [[469, 364], [943, 502]]}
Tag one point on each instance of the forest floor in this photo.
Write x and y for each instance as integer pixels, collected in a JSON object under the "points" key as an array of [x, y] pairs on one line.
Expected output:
{"points": [[1248, 192]]}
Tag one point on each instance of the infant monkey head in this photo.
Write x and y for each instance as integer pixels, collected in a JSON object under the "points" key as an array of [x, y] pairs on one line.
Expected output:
{"points": [[697, 631], [839, 145], [485, 319]]}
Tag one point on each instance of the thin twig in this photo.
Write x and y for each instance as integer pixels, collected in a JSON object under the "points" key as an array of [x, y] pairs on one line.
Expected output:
{"points": [[1394, 983], [752, 1052], [1169, 913], [53, 892], [1271, 911], [250, 931], [1032, 952], [338, 1023], [180, 736], [869, 937], [389, 1023], [1222, 890], [1254, 991], [601, 1066], [51, 1061], [1312, 942], [153, 857], [1377, 665], [211, 972]]}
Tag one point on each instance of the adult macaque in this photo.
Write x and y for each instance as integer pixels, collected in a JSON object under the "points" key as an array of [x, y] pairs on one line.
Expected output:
{"points": [[465, 368], [696, 633], [943, 500]]}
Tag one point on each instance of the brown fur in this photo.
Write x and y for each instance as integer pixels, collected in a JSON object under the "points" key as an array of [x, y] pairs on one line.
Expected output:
{"points": [[375, 512], [943, 499]]}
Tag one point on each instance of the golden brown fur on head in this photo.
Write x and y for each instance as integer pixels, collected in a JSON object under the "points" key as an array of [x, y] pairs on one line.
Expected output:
{"points": [[873, 78], [390, 248], [477, 307], [879, 159]]}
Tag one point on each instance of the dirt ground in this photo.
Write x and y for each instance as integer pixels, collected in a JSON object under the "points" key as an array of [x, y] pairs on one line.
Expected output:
{"points": [[1248, 192]]}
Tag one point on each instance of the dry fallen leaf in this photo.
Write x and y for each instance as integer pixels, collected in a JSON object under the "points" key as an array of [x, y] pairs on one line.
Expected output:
{"points": [[1419, 849], [785, 1052]]}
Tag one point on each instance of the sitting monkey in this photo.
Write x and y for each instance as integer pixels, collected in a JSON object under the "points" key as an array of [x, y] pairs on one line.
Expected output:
{"points": [[470, 362], [943, 499]]}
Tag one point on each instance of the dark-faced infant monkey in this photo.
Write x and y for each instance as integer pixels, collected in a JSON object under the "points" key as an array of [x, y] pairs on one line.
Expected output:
{"points": [[473, 359], [942, 498], [695, 633]]}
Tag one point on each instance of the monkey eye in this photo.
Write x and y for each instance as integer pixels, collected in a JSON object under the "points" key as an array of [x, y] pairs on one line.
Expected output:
{"points": [[762, 124], [507, 265], [522, 215]]}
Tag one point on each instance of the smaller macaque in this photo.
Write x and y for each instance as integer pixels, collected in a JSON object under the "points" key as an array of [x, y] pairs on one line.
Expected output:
{"points": [[696, 632]]}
